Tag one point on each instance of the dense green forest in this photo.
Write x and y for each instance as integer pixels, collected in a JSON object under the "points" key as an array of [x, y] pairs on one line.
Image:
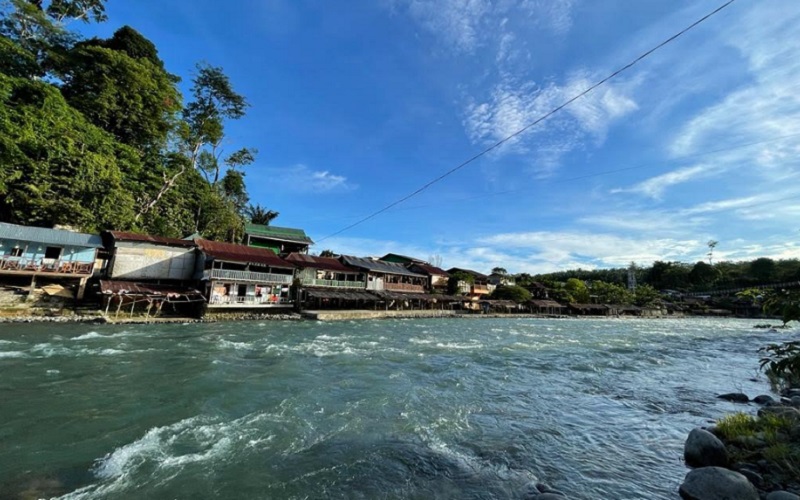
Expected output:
{"points": [[683, 277], [96, 134]]}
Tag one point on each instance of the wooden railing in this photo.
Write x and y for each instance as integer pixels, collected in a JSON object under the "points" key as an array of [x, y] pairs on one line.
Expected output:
{"points": [[333, 283], [25, 265], [247, 300], [229, 274]]}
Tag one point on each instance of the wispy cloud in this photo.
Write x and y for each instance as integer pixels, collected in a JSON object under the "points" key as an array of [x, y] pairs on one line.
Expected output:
{"points": [[465, 25], [654, 187], [510, 107], [302, 179], [767, 104]]}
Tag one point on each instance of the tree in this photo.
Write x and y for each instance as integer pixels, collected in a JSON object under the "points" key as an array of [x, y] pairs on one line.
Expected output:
{"points": [[711, 245], [609, 293], [39, 26], [499, 270], [646, 295], [702, 274], [455, 281], [133, 98], [203, 129], [261, 215], [234, 190], [55, 166], [576, 291], [327, 253], [512, 292], [762, 270]]}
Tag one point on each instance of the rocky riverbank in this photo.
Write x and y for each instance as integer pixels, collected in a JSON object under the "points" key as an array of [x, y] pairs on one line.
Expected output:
{"points": [[747, 457]]}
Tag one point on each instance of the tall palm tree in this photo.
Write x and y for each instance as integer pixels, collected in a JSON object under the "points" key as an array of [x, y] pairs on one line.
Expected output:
{"points": [[261, 215]]}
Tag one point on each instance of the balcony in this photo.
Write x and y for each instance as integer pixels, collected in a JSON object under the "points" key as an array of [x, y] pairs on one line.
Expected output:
{"points": [[231, 275], [333, 283], [248, 301], [404, 287], [45, 266]]}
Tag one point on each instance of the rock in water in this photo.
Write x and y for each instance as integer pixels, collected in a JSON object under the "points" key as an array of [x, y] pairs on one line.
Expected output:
{"points": [[763, 399], [703, 449], [736, 397], [782, 495], [716, 483]]}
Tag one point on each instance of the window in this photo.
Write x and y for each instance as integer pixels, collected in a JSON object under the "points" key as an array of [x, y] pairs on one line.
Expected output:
{"points": [[52, 253], [16, 252]]}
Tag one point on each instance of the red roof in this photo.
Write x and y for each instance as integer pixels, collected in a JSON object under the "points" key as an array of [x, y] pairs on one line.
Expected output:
{"points": [[324, 263], [146, 238], [432, 270], [241, 253]]}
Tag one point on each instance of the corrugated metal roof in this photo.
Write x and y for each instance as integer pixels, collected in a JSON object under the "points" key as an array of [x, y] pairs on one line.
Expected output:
{"points": [[49, 236], [146, 238], [379, 266], [409, 260], [278, 233], [429, 269], [241, 253], [132, 288], [324, 263]]}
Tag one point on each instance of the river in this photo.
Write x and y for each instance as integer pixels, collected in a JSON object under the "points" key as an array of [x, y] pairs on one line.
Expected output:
{"points": [[439, 408]]}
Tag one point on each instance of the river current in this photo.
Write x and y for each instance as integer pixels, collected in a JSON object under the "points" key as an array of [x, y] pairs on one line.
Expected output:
{"points": [[440, 408]]}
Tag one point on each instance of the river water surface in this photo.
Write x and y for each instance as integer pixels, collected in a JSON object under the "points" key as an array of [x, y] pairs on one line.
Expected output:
{"points": [[442, 408]]}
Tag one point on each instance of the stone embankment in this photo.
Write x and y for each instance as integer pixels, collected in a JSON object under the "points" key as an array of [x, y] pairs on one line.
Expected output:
{"points": [[746, 457]]}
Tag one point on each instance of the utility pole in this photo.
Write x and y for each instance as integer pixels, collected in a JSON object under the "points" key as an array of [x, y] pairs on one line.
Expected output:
{"points": [[711, 244], [632, 277]]}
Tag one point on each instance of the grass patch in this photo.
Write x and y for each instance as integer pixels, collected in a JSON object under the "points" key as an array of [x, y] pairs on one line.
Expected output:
{"points": [[737, 425]]}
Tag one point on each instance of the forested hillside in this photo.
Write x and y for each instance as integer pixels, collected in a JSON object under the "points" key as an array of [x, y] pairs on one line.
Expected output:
{"points": [[680, 276], [96, 134]]}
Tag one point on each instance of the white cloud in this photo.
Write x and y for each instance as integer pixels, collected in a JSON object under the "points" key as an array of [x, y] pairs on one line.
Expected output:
{"points": [[457, 22], [465, 25], [654, 187], [767, 104], [510, 107], [302, 179]]}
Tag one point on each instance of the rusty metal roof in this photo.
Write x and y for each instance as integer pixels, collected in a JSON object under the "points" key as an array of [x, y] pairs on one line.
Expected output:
{"points": [[146, 238], [429, 269], [133, 288], [324, 263], [379, 266], [230, 252]]}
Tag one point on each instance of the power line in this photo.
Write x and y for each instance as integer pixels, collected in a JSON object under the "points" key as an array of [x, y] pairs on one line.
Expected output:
{"points": [[530, 125], [590, 175]]}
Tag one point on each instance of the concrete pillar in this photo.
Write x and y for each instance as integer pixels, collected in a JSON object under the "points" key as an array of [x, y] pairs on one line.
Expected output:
{"points": [[32, 288], [81, 288]]}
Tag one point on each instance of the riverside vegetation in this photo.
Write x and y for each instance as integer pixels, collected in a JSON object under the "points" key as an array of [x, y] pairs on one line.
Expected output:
{"points": [[752, 457]]}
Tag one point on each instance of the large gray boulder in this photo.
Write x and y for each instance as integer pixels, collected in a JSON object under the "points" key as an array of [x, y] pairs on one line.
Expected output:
{"points": [[736, 397], [782, 495], [717, 483], [763, 399], [792, 414], [703, 449]]}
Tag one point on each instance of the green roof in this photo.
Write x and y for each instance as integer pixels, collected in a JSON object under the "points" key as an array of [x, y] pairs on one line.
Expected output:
{"points": [[278, 233]]}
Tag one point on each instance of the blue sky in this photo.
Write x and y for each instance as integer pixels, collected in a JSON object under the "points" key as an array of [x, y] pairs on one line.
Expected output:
{"points": [[357, 105]]}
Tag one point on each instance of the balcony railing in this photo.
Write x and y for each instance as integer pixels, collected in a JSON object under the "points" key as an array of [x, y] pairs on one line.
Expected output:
{"points": [[333, 283], [248, 300], [232, 275], [404, 287], [57, 266]]}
